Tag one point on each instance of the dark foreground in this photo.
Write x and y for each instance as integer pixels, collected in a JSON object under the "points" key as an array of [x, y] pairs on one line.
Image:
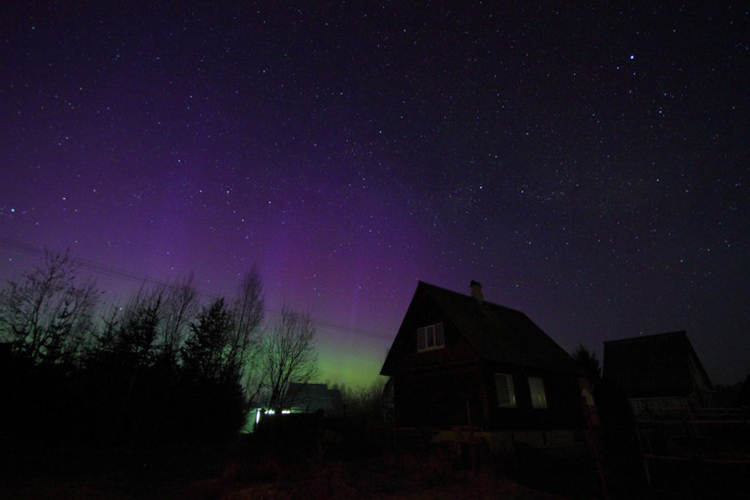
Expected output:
{"points": [[245, 471], [216, 473]]}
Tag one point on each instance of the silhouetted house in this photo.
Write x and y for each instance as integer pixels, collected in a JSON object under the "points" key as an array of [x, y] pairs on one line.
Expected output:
{"points": [[459, 360], [307, 399], [310, 398], [657, 372]]}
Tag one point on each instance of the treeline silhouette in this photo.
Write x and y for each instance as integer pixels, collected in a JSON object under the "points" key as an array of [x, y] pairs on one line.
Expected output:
{"points": [[160, 370]]}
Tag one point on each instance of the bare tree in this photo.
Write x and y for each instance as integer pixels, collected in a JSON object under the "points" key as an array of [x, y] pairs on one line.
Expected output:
{"points": [[288, 355], [138, 326], [248, 310], [366, 401], [180, 304], [47, 316], [121, 361]]}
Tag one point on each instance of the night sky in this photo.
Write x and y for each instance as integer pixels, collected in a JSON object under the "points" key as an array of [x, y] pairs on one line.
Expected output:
{"points": [[587, 163]]}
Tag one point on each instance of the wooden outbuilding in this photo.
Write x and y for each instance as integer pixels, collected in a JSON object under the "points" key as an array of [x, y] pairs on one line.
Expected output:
{"points": [[656, 372]]}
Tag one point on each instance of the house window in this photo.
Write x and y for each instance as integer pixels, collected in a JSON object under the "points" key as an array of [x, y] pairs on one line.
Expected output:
{"points": [[506, 395], [538, 397], [430, 337]]}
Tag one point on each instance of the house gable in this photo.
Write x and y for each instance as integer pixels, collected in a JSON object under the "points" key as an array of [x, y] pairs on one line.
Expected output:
{"points": [[405, 354], [475, 331]]}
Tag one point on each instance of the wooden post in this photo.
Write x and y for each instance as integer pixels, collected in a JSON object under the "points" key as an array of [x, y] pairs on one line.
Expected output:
{"points": [[471, 437], [595, 448]]}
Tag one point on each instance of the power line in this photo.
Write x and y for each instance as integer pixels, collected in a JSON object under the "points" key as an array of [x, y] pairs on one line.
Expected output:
{"points": [[112, 271], [145, 279]]}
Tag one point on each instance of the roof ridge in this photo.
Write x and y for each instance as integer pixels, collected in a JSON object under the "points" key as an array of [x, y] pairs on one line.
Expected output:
{"points": [[467, 296], [681, 333]]}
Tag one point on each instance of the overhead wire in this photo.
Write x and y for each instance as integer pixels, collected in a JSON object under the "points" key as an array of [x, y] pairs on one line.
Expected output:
{"points": [[145, 279]]}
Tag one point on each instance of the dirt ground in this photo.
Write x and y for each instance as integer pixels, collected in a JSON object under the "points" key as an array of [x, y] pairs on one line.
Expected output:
{"points": [[209, 473], [203, 474]]}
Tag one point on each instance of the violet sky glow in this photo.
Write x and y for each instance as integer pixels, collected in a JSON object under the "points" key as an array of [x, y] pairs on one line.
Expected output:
{"points": [[588, 165]]}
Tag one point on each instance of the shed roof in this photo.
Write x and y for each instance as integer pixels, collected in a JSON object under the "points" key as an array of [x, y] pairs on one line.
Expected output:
{"points": [[652, 365]]}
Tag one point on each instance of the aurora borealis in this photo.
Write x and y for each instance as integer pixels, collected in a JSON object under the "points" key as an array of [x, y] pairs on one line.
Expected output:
{"points": [[588, 165]]}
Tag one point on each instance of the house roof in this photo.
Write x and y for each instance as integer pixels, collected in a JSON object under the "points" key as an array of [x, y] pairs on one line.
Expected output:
{"points": [[653, 365], [313, 397], [496, 333]]}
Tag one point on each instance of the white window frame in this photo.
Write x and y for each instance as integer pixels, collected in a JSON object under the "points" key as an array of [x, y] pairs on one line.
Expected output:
{"points": [[506, 393], [430, 337], [538, 395]]}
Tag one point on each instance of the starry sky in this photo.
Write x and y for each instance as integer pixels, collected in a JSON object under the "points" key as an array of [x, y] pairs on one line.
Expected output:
{"points": [[588, 163]]}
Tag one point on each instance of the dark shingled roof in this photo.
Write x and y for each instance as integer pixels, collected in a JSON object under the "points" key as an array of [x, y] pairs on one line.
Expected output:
{"points": [[652, 365], [499, 334]]}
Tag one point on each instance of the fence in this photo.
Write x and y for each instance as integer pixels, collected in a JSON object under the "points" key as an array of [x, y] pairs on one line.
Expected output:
{"points": [[702, 437]]}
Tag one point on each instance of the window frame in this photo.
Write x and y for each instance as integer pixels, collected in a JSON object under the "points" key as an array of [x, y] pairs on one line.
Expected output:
{"points": [[431, 337], [510, 401], [538, 393]]}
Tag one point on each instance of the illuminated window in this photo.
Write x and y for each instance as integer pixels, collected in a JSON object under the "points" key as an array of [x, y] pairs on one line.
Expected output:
{"points": [[430, 337], [506, 395], [538, 397]]}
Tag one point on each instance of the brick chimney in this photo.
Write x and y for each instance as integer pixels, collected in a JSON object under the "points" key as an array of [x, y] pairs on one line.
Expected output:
{"points": [[476, 292]]}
